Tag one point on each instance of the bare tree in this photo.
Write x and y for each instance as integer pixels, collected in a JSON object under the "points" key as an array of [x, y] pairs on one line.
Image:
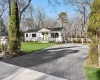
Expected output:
{"points": [[24, 8], [3, 7], [40, 15], [83, 8]]}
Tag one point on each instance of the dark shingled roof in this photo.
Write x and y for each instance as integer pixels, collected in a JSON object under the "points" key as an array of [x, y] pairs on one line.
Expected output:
{"points": [[55, 29], [32, 30], [51, 29]]}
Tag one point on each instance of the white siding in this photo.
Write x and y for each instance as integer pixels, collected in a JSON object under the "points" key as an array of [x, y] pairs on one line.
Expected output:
{"points": [[59, 38], [39, 36]]}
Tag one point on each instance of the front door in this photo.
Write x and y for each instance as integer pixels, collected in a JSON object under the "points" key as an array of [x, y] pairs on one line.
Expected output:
{"points": [[46, 36]]}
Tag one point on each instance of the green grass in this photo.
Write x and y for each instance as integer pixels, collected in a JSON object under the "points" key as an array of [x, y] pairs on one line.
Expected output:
{"points": [[28, 47], [0, 46], [92, 73]]}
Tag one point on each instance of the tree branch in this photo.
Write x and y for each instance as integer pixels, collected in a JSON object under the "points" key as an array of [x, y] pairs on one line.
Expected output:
{"points": [[4, 9], [21, 12]]}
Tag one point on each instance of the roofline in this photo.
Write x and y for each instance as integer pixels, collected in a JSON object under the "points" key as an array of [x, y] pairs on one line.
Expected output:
{"points": [[29, 31]]}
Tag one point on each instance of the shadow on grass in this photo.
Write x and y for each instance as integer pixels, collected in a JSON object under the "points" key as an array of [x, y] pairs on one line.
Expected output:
{"points": [[98, 74]]}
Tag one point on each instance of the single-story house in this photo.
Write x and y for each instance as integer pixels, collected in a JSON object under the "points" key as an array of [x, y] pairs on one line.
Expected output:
{"points": [[45, 35]]}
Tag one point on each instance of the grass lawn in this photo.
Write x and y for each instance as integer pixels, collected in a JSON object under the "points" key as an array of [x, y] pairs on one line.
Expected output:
{"points": [[28, 47], [92, 73]]}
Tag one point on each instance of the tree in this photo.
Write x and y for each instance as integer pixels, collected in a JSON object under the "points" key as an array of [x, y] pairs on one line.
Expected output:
{"points": [[3, 28], [23, 9], [3, 7], [9, 7], [80, 6], [21, 5], [63, 18], [29, 22], [94, 18], [13, 31], [83, 7], [40, 15], [94, 30]]}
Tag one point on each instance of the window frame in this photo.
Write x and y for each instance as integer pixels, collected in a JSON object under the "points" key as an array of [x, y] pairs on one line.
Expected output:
{"points": [[56, 35], [34, 35], [26, 35], [53, 35]]}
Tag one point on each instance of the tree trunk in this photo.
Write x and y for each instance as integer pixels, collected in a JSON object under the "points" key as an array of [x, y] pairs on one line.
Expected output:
{"points": [[99, 54], [13, 31]]}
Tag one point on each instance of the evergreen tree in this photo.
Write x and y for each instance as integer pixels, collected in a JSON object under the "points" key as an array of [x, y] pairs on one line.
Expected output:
{"points": [[94, 28], [13, 31], [94, 18], [63, 18]]}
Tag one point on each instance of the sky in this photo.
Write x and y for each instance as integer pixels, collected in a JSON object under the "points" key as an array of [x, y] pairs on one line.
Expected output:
{"points": [[52, 13]]}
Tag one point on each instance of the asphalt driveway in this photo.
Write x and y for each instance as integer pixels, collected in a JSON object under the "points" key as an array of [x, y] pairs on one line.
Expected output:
{"points": [[63, 61]]}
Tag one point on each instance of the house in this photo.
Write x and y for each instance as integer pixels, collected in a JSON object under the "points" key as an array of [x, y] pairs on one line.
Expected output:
{"points": [[45, 35]]}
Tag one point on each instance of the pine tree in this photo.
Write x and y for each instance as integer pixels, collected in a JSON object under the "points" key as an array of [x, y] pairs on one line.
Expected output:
{"points": [[94, 18], [13, 31], [63, 18]]}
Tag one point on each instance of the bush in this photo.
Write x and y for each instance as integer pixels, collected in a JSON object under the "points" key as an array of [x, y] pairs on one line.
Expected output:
{"points": [[79, 41]]}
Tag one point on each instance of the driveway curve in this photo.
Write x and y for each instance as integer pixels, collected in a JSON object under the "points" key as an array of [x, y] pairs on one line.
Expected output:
{"points": [[64, 61]]}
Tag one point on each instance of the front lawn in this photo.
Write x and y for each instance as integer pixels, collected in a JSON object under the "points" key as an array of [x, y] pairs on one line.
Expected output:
{"points": [[92, 73], [28, 47]]}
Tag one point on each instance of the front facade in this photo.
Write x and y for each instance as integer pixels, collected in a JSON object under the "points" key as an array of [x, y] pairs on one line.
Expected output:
{"points": [[45, 35]]}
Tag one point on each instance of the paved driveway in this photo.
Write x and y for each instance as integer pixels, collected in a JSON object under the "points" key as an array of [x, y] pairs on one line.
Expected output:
{"points": [[64, 61]]}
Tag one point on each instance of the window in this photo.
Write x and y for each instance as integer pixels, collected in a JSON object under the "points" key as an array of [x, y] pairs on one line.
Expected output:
{"points": [[26, 35], [54, 35], [42, 33], [33, 35]]}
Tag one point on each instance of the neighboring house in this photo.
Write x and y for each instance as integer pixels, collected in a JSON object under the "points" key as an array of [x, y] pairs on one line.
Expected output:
{"points": [[45, 35]]}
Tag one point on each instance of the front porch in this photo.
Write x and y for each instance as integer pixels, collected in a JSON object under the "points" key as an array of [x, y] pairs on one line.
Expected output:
{"points": [[45, 33]]}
